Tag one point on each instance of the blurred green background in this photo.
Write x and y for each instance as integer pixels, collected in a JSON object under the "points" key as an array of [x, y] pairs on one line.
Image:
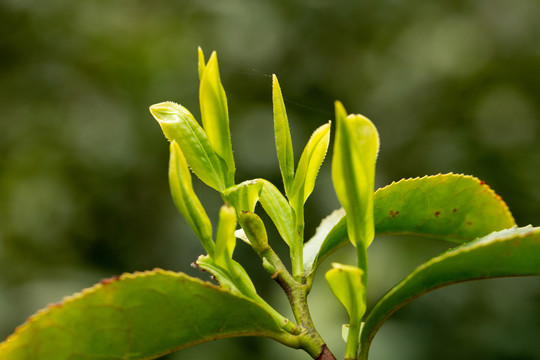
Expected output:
{"points": [[453, 86]]}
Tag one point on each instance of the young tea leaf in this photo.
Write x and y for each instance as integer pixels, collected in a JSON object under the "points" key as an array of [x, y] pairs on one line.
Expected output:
{"points": [[179, 125], [511, 252], [313, 245], [283, 137], [353, 172], [201, 63], [309, 165], [255, 231], [348, 286], [225, 238], [279, 210], [215, 117], [186, 200], [244, 196], [138, 316]]}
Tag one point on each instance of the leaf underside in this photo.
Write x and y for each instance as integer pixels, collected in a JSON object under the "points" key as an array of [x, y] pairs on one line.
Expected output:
{"points": [[511, 252], [137, 316], [450, 207]]}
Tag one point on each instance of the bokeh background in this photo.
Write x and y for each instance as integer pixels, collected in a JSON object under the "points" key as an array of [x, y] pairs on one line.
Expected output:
{"points": [[453, 86]]}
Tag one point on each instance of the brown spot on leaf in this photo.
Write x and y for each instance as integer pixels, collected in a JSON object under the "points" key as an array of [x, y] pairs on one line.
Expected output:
{"points": [[454, 211], [482, 183], [394, 213], [469, 223], [437, 213], [56, 305], [109, 280]]}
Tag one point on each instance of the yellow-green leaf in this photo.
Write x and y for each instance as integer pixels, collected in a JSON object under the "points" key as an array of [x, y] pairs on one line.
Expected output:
{"points": [[201, 63], [244, 196], [278, 209], [215, 117], [353, 172], [309, 165], [186, 200], [179, 125], [283, 137], [348, 286], [255, 231], [225, 239], [138, 316]]}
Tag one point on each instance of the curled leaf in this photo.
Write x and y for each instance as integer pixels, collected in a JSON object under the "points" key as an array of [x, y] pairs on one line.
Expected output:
{"points": [[244, 196], [179, 125]]}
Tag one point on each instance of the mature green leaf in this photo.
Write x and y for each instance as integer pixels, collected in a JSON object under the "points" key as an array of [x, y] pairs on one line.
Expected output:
{"points": [[283, 137], [309, 165], [179, 125], [186, 200], [215, 117], [511, 252], [353, 172], [450, 207], [279, 210], [138, 316]]}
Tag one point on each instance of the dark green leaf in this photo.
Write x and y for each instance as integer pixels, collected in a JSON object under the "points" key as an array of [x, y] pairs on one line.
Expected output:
{"points": [[511, 252]]}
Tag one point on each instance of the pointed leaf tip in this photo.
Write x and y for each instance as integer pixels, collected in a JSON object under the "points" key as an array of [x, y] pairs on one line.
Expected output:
{"points": [[215, 117], [308, 167], [283, 139]]}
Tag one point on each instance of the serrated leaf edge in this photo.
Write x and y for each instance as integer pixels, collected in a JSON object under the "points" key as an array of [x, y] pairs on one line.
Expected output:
{"points": [[106, 282], [451, 174]]}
